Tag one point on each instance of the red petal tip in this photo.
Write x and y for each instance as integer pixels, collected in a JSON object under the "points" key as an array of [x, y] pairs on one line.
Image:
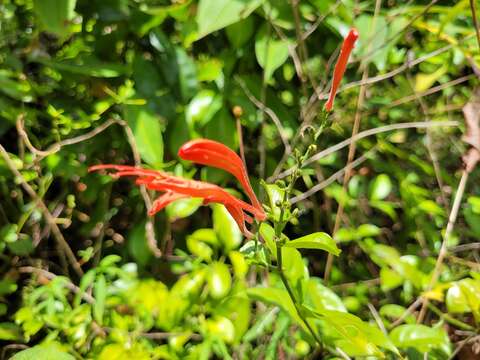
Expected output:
{"points": [[353, 34]]}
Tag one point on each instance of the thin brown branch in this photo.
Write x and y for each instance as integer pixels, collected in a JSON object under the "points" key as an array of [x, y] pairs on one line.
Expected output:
{"points": [[50, 276], [62, 243], [320, 19], [364, 134], [448, 232], [149, 225], [352, 147], [475, 21], [58, 145], [387, 42], [240, 139], [271, 114], [407, 312], [335, 177], [430, 91], [430, 147]]}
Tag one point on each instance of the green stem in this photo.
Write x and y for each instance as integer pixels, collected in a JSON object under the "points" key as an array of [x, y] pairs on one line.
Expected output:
{"points": [[292, 295], [279, 226], [459, 324]]}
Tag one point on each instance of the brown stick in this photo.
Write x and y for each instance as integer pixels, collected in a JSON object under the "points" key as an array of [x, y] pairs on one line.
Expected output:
{"points": [[443, 249], [62, 243]]}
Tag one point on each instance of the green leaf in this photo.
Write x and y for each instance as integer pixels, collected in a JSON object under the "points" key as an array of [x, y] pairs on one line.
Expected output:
{"points": [[394, 312], [10, 332], [86, 66], [278, 297], [222, 128], [239, 264], [275, 195], [23, 246], [381, 187], [420, 337], [370, 36], [183, 208], [237, 309], [43, 352], [268, 235], [352, 335], [100, 295], [121, 351], [7, 286], [137, 244], [213, 15], [8, 233], [221, 328], [239, 33], [463, 296], [321, 297], [226, 228], [147, 132], [209, 70], [255, 253], [318, 240], [219, 280], [208, 236], [14, 87], [187, 74], [55, 15], [293, 265], [425, 81], [199, 248], [368, 230], [202, 108], [390, 279], [270, 52]]}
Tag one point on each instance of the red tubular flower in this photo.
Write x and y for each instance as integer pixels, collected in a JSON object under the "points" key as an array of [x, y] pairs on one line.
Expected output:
{"points": [[340, 66], [215, 154], [175, 188], [164, 200]]}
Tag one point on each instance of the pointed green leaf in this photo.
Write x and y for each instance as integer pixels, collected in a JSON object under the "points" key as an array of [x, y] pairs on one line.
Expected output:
{"points": [[318, 240], [213, 15]]}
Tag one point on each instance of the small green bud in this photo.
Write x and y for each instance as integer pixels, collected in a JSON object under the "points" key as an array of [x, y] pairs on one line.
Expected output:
{"points": [[295, 212]]}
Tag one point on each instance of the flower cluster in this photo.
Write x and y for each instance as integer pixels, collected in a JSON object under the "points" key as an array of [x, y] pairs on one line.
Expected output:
{"points": [[203, 152]]}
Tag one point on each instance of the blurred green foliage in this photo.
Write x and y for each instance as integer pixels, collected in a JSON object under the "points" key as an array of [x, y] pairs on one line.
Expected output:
{"points": [[86, 82]]}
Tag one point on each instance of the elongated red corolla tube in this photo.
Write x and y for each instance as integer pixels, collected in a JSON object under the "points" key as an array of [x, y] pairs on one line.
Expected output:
{"points": [[341, 65], [239, 216], [215, 154], [209, 192], [162, 201], [175, 188]]}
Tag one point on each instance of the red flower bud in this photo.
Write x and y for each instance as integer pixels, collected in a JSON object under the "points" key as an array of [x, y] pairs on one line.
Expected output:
{"points": [[341, 65]]}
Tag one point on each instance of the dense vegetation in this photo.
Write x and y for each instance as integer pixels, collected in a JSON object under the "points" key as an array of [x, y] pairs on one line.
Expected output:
{"points": [[86, 273]]}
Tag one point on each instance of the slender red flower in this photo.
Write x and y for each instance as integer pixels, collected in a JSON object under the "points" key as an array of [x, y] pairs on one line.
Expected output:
{"points": [[215, 154], [175, 188], [163, 200], [341, 65]]}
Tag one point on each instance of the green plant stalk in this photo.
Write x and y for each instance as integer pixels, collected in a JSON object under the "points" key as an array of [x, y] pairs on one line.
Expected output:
{"points": [[292, 295], [459, 324], [279, 226]]}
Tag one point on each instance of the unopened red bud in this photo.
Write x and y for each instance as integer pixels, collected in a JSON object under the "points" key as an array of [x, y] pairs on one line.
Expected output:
{"points": [[341, 65]]}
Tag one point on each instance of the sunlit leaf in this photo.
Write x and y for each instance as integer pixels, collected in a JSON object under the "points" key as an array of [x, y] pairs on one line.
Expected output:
{"points": [[213, 15], [318, 240]]}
